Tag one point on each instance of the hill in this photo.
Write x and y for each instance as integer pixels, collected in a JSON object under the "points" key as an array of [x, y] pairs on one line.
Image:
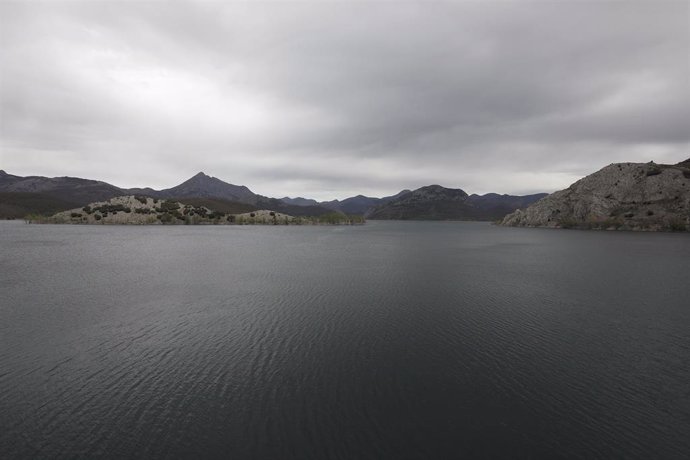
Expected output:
{"points": [[204, 186], [431, 202], [69, 189], [360, 204], [435, 202], [299, 201], [627, 196], [144, 210], [15, 205]]}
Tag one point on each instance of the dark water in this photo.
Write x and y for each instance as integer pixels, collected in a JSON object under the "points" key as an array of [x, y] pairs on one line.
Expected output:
{"points": [[391, 340]]}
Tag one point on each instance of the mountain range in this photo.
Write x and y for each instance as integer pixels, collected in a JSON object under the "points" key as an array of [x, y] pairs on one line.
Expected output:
{"points": [[434, 202], [20, 196]]}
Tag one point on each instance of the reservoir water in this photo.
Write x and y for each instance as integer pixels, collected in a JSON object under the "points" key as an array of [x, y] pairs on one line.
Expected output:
{"points": [[392, 340]]}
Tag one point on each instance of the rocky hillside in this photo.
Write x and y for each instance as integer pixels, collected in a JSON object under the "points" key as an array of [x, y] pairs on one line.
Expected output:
{"points": [[143, 210], [627, 196], [434, 202], [134, 210]]}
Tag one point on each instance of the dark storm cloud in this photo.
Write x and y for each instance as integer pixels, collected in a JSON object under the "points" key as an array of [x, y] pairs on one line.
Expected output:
{"points": [[333, 99]]}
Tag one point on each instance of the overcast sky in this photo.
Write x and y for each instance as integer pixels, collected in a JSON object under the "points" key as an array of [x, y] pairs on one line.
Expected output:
{"points": [[328, 100]]}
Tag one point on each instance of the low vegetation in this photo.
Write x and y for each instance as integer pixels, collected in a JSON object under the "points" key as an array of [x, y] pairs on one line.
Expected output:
{"points": [[143, 210]]}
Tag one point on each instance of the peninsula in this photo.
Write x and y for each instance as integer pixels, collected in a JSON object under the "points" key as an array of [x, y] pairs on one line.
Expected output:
{"points": [[144, 210]]}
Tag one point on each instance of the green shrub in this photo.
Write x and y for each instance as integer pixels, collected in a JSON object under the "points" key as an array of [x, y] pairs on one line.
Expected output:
{"points": [[168, 205], [75, 214], [332, 218], [113, 208]]}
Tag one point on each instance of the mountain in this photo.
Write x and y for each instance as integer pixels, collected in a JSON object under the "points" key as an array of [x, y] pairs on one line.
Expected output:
{"points": [[496, 206], [360, 204], [627, 196], [299, 201], [69, 189], [44, 195], [291, 209], [203, 186], [435, 202]]}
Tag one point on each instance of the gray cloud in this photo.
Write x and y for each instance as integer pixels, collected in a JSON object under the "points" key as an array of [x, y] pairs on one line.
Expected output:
{"points": [[332, 99]]}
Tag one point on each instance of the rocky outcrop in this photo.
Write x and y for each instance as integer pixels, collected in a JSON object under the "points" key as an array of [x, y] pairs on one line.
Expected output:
{"points": [[134, 209], [625, 196]]}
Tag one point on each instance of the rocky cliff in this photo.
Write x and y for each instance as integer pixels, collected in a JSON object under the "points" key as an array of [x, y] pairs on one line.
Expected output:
{"points": [[626, 196]]}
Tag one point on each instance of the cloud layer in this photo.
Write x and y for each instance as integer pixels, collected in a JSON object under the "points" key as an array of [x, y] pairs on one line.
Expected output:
{"points": [[327, 100]]}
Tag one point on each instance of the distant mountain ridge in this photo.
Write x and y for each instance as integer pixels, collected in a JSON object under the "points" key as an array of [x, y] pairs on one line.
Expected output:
{"points": [[299, 201], [70, 189], [627, 196], [435, 202], [35, 194], [360, 204]]}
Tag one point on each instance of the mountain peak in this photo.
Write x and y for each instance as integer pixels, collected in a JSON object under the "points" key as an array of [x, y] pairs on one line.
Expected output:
{"points": [[201, 185], [436, 189]]}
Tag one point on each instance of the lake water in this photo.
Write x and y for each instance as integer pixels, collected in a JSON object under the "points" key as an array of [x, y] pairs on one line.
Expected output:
{"points": [[393, 340]]}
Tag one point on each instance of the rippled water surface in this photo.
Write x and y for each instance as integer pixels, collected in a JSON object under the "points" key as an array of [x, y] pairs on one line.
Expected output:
{"points": [[390, 340]]}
